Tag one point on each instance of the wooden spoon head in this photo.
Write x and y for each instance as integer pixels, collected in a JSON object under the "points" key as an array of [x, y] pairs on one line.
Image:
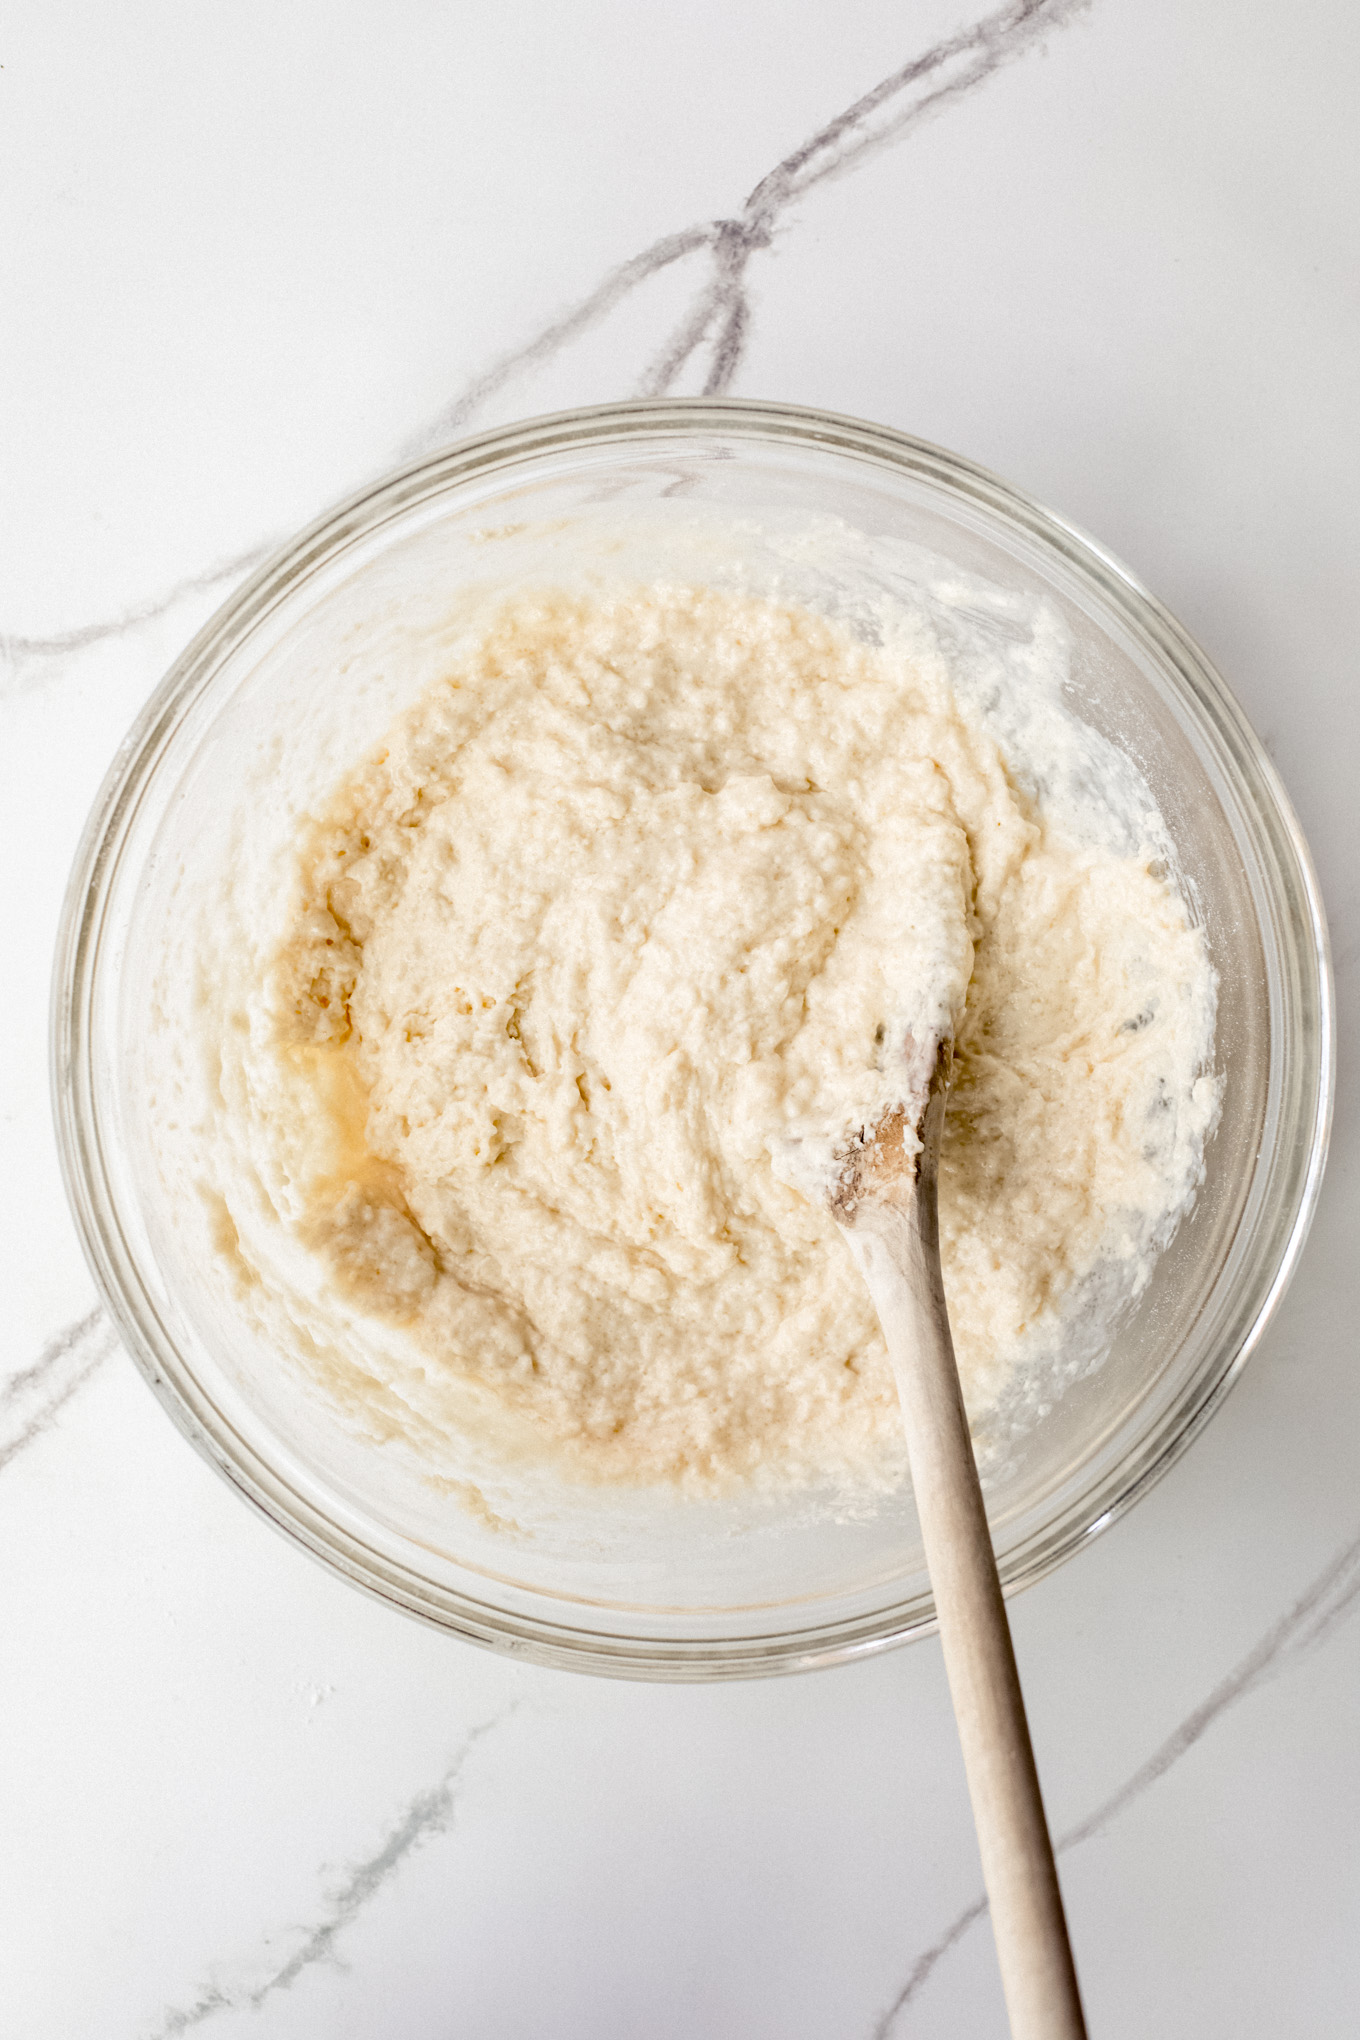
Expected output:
{"points": [[890, 1161]]}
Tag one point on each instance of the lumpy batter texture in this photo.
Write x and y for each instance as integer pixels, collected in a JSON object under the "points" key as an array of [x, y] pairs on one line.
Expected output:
{"points": [[614, 935]]}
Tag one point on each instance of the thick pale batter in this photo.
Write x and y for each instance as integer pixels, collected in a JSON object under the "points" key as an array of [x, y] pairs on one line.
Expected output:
{"points": [[614, 939]]}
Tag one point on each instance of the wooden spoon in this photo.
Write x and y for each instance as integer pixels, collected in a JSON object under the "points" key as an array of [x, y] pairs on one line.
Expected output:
{"points": [[886, 1200]]}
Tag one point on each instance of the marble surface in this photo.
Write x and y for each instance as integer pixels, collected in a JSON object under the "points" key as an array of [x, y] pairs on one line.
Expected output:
{"points": [[255, 253]]}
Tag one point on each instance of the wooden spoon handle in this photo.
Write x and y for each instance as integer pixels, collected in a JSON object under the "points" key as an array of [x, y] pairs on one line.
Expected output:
{"points": [[898, 1254]]}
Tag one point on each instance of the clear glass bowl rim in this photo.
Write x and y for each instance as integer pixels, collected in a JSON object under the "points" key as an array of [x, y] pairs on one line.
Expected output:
{"points": [[74, 1092]]}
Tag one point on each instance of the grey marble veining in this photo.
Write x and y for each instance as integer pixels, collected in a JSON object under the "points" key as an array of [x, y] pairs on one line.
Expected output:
{"points": [[1314, 1617], [429, 1814], [717, 321], [32, 1400]]}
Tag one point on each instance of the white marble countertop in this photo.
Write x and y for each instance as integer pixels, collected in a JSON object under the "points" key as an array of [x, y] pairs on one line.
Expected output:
{"points": [[255, 253]]}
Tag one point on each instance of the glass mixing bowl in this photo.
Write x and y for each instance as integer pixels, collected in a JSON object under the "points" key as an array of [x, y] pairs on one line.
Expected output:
{"points": [[304, 668]]}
